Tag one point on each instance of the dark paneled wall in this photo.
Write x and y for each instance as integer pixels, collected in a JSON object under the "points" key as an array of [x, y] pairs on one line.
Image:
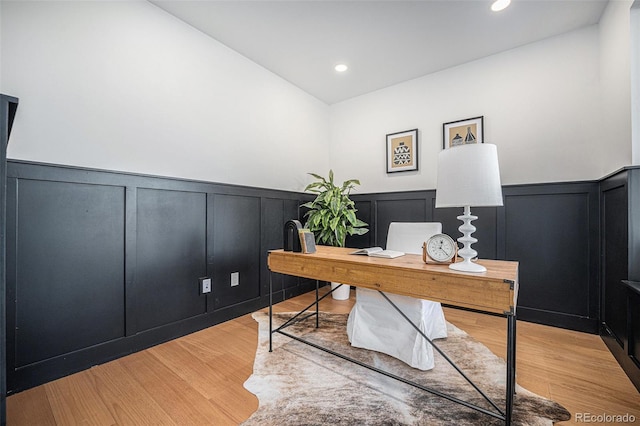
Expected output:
{"points": [[236, 216], [576, 243], [68, 262], [170, 254], [551, 229], [620, 290], [102, 264], [277, 211]]}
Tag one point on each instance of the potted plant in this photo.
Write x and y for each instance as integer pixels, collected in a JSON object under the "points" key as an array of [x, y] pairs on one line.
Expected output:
{"points": [[332, 216]]}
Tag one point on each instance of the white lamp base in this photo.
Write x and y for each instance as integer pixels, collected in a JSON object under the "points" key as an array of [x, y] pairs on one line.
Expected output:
{"points": [[467, 266], [466, 252]]}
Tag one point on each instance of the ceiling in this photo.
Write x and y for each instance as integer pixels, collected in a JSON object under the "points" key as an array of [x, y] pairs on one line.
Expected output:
{"points": [[382, 42]]}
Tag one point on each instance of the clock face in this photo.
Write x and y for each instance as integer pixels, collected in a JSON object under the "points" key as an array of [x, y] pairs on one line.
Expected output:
{"points": [[441, 248]]}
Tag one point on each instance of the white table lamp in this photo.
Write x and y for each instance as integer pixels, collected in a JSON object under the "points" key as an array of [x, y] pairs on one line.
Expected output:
{"points": [[468, 175]]}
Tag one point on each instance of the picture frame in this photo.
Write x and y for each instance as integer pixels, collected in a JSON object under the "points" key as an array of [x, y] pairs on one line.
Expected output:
{"points": [[462, 132], [402, 151]]}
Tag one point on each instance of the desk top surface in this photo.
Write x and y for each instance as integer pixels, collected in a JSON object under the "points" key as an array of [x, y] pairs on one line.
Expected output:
{"points": [[492, 291]]}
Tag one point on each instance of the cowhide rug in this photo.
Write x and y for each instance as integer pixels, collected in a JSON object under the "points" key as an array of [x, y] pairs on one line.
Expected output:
{"points": [[297, 384]]}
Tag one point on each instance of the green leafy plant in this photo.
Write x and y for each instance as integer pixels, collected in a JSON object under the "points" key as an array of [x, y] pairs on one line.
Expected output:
{"points": [[332, 215]]}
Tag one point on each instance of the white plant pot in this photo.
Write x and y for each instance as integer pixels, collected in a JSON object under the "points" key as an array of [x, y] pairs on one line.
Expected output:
{"points": [[342, 293]]}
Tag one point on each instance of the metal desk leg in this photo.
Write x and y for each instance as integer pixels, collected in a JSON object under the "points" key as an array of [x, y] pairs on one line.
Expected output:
{"points": [[317, 304], [511, 366]]}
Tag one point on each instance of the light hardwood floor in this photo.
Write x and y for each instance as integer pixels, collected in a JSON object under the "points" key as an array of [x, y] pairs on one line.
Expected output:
{"points": [[197, 379]]}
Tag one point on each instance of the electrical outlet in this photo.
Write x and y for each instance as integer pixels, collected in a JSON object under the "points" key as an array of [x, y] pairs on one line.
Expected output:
{"points": [[205, 285], [235, 279]]}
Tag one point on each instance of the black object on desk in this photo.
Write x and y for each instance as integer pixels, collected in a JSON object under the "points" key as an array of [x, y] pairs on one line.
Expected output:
{"points": [[292, 236]]}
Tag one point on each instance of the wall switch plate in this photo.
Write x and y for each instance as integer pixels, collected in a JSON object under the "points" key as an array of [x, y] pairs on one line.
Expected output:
{"points": [[235, 279], [205, 285]]}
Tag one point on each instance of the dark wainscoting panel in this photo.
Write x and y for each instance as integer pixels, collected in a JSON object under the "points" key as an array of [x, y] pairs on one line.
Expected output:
{"points": [[122, 253], [620, 288], [545, 227], [276, 212], [615, 208], [486, 227], [365, 214], [69, 284], [406, 210], [291, 286], [378, 210], [102, 264], [553, 232], [170, 256], [236, 248], [634, 323]]}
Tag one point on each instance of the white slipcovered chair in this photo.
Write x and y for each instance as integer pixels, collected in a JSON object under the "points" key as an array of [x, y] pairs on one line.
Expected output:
{"points": [[376, 325]]}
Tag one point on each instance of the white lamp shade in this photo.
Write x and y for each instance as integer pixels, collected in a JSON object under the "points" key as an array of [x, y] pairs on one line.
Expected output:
{"points": [[469, 175]]}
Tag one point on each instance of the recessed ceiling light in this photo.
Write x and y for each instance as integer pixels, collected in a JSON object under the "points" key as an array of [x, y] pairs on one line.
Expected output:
{"points": [[499, 5], [341, 67]]}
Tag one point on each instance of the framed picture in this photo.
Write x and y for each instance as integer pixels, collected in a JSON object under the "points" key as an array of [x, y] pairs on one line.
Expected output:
{"points": [[463, 132], [402, 151]]}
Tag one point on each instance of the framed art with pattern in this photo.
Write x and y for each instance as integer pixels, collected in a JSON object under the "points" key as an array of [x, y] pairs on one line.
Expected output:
{"points": [[402, 151], [463, 132]]}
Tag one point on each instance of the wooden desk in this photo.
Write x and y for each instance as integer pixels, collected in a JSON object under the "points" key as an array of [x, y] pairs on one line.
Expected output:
{"points": [[494, 291]]}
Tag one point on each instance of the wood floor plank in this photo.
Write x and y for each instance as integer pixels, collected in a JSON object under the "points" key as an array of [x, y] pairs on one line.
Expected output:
{"points": [[75, 401], [198, 379], [219, 383], [240, 340], [30, 407], [126, 399], [179, 399]]}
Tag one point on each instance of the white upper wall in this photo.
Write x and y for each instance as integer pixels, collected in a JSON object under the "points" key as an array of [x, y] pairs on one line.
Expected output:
{"points": [[125, 86], [542, 106], [615, 82]]}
